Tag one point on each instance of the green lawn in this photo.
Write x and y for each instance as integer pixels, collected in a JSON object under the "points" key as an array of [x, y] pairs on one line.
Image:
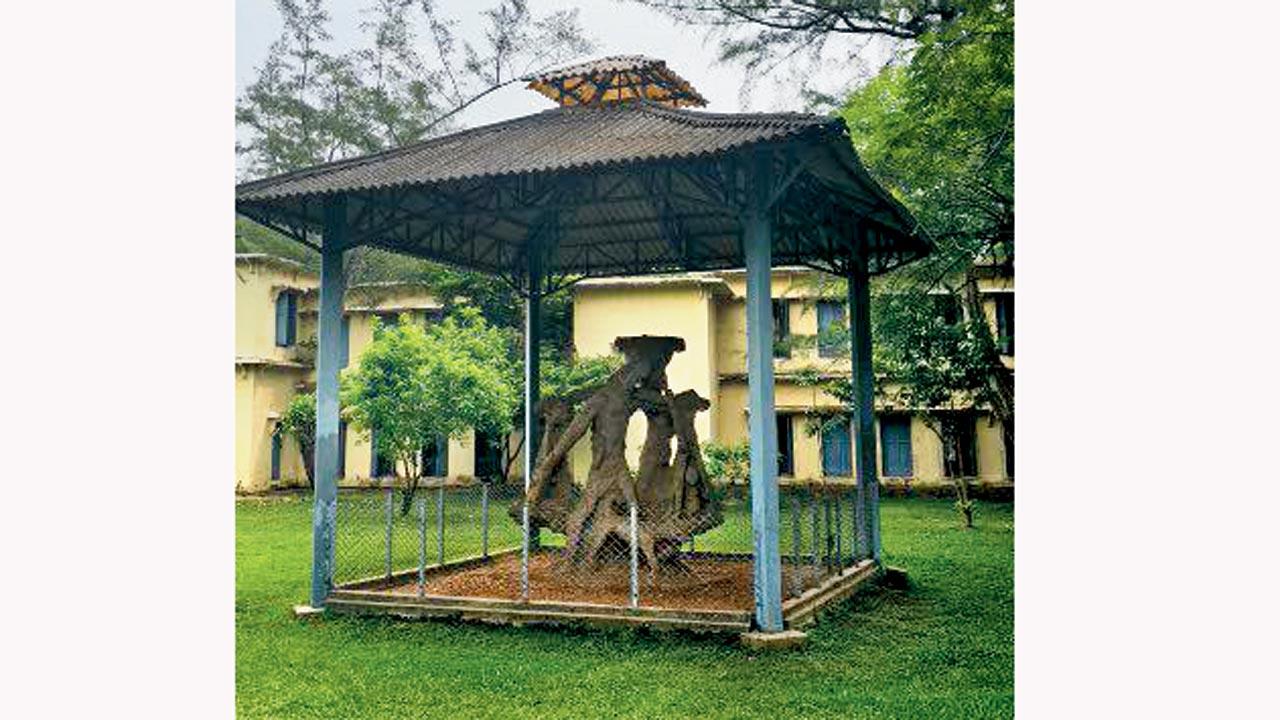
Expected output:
{"points": [[942, 649]]}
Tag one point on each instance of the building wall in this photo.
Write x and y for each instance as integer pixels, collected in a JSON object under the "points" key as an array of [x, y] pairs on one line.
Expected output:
{"points": [[609, 309], [604, 312], [258, 282], [706, 310], [262, 394], [268, 377]]}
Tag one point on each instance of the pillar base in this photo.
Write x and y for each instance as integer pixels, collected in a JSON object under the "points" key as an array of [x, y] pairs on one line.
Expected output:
{"points": [[896, 578], [304, 612], [784, 640]]}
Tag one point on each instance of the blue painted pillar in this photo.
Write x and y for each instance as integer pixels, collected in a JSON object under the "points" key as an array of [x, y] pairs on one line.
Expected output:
{"points": [[864, 433], [328, 361], [532, 394], [762, 426]]}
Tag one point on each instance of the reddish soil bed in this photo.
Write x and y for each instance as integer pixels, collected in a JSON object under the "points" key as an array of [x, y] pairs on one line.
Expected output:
{"points": [[702, 583]]}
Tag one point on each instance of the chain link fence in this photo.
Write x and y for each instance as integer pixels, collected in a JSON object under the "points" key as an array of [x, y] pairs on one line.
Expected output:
{"points": [[386, 533], [465, 540]]}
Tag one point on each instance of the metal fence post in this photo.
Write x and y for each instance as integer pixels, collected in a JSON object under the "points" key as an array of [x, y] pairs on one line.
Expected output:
{"points": [[422, 547], [524, 551], [440, 525], [484, 520], [826, 527], [635, 559], [813, 517], [389, 511], [853, 530], [839, 550], [795, 543]]}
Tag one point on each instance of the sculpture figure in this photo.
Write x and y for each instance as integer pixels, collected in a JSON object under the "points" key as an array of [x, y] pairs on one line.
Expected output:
{"points": [[672, 498]]}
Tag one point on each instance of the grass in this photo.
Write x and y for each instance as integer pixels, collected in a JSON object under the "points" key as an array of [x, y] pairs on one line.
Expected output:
{"points": [[942, 649]]}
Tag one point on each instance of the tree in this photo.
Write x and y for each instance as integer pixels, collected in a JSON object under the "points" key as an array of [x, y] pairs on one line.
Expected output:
{"points": [[309, 105], [414, 385], [299, 423], [935, 127], [765, 36], [562, 375], [730, 462], [938, 133]]}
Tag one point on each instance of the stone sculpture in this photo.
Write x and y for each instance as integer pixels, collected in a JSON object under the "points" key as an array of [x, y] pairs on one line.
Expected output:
{"points": [[671, 494]]}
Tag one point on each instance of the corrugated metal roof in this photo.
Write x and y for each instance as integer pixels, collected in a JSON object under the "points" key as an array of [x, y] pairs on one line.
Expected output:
{"points": [[557, 139], [622, 189]]}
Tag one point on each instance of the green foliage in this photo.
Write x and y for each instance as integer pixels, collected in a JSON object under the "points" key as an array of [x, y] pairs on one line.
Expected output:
{"points": [[309, 104], [299, 423], [937, 131], [574, 377], [801, 37], [730, 462], [299, 419], [254, 238], [414, 385]]}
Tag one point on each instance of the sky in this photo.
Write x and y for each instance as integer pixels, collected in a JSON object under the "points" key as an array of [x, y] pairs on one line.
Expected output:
{"points": [[619, 28]]}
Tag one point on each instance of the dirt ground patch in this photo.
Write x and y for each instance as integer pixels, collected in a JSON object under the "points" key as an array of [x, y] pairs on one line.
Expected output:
{"points": [[699, 583]]}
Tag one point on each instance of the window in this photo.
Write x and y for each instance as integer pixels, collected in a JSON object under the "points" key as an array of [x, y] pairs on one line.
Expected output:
{"points": [[1008, 456], [488, 456], [781, 328], [830, 325], [387, 319], [277, 443], [786, 447], [435, 458], [959, 453], [286, 318], [383, 465], [946, 307], [836, 447], [895, 445], [1004, 323], [344, 341]]}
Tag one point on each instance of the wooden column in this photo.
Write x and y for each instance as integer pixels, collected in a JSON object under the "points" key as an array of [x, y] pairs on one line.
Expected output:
{"points": [[328, 362], [757, 245], [864, 432]]}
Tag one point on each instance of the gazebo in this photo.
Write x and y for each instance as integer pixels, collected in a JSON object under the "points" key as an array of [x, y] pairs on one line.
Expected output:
{"points": [[619, 179]]}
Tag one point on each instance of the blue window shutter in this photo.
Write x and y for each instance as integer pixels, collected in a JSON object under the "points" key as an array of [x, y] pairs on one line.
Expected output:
{"points": [[293, 318], [836, 451], [895, 441], [282, 320], [830, 314]]}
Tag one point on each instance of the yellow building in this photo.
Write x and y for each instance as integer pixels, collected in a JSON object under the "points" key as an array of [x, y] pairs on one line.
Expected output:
{"points": [[708, 311], [275, 346], [275, 353]]}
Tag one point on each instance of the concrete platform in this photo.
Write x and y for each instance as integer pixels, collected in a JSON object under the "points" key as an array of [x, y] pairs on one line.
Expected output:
{"points": [[784, 640]]}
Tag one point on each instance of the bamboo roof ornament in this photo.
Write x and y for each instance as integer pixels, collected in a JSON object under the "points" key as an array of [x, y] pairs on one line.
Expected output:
{"points": [[617, 79]]}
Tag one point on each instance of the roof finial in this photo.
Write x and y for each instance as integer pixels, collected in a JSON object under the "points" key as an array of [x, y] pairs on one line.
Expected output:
{"points": [[617, 79]]}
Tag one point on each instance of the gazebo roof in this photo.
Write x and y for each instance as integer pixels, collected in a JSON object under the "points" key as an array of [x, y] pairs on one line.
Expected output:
{"points": [[617, 79], [615, 189]]}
